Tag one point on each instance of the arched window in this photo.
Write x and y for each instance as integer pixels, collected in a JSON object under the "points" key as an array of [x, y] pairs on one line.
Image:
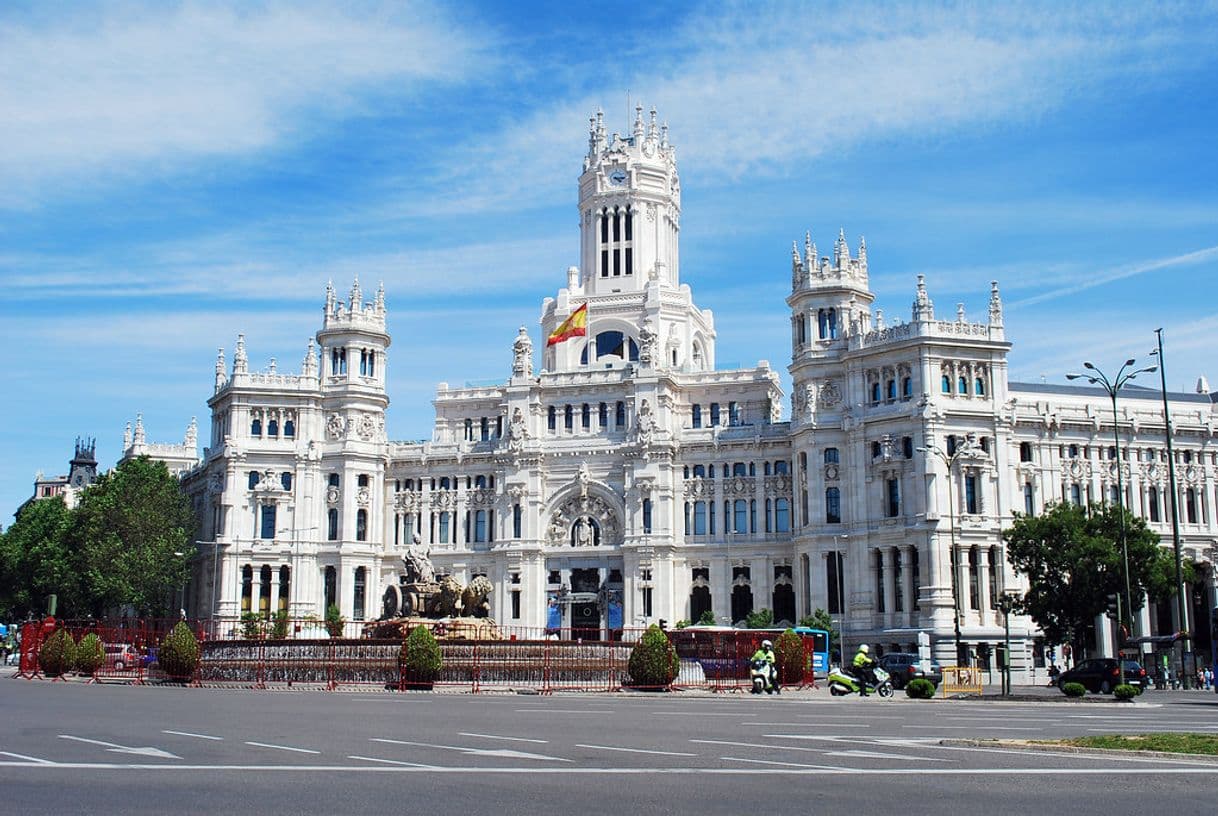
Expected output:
{"points": [[832, 457], [602, 415], [619, 418], [891, 389], [585, 417], [979, 387], [962, 386], [550, 418], [256, 428], [616, 344], [285, 588], [254, 477], [331, 587], [289, 429], [272, 428], [360, 590], [568, 418], [361, 525], [285, 479], [833, 506], [333, 480], [875, 392], [247, 587], [946, 385], [781, 467], [264, 591], [907, 387]]}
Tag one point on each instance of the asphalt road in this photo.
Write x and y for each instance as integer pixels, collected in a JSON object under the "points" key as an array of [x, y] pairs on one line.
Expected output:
{"points": [[71, 748]]}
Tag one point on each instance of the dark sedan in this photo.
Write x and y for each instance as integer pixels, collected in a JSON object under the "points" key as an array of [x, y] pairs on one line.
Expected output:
{"points": [[906, 666], [1101, 675]]}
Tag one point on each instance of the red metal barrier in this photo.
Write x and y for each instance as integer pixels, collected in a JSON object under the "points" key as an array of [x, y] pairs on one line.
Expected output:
{"points": [[262, 653]]}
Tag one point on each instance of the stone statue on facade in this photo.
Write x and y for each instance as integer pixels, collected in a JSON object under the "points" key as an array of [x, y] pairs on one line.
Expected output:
{"points": [[522, 354], [417, 564], [649, 345]]}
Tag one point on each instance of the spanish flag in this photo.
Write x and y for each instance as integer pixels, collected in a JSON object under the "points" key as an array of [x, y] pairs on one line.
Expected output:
{"points": [[574, 326]]}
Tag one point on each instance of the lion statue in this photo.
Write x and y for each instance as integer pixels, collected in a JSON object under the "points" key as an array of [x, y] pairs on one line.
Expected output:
{"points": [[449, 600], [474, 603]]}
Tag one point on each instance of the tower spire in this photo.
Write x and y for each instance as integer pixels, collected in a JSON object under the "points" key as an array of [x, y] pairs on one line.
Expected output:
{"points": [[240, 363], [995, 305]]}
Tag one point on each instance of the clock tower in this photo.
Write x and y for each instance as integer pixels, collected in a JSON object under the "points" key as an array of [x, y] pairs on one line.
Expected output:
{"points": [[630, 208]]}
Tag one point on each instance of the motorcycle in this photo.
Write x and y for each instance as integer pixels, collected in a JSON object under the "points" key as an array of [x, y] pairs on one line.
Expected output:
{"points": [[841, 683], [763, 676]]}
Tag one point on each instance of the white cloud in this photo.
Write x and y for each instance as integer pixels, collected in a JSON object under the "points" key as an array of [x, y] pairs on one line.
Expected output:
{"points": [[105, 90], [751, 90]]}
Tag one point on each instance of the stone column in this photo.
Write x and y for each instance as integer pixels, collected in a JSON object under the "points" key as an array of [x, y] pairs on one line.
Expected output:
{"points": [[887, 557], [908, 589], [984, 568]]}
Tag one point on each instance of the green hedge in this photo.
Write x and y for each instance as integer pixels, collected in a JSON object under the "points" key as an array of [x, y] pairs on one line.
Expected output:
{"points": [[58, 654], [90, 654], [790, 653], [1126, 692], [653, 660], [178, 654], [1074, 689], [920, 689], [420, 657]]}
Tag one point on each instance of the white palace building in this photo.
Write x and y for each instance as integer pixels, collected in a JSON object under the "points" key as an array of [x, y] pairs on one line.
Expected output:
{"points": [[619, 477]]}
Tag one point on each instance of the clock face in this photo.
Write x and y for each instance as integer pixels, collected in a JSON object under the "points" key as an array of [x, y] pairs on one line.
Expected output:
{"points": [[617, 176]]}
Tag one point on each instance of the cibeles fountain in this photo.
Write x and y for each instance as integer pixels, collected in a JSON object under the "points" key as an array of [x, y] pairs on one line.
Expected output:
{"points": [[422, 598]]}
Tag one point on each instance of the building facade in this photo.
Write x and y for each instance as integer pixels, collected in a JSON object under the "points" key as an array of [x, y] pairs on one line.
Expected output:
{"points": [[626, 479]]}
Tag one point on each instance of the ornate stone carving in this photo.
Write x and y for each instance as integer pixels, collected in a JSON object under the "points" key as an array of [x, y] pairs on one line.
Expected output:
{"points": [[649, 344], [829, 394], [363, 496], [645, 424], [336, 426], [332, 495], [407, 502], [522, 354], [366, 426], [518, 431], [584, 521]]}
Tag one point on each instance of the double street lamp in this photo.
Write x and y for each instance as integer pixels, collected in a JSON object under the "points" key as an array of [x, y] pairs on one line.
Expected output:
{"points": [[1111, 386]]}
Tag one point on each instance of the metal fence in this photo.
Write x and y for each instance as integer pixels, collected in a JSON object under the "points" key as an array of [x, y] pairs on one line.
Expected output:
{"points": [[476, 657]]}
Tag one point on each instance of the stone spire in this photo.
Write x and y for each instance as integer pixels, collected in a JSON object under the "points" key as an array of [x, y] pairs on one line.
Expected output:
{"points": [[379, 304], [923, 306], [809, 251], [331, 298], [308, 366], [652, 129], [841, 250], [139, 430], [127, 438], [240, 362], [863, 252], [192, 434], [995, 305], [221, 374], [959, 312], [638, 124], [356, 302]]}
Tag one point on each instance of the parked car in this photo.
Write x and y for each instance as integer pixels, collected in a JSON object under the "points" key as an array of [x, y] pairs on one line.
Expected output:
{"points": [[905, 666], [1101, 675], [121, 656]]}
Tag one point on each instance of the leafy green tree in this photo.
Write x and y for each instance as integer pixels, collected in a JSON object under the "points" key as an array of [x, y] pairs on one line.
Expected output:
{"points": [[759, 619], [707, 618], [653, 660], [820, 619], [37, 559], [1072, 559], [133, 528], [178, 654]]}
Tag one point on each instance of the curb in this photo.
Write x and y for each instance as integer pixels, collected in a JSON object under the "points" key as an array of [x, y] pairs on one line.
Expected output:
{"points": [[1206, 759]]}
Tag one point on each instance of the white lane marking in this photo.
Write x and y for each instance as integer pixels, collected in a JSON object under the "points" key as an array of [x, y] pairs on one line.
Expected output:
{"points": [[784, 764], [497, 752], [561, 711], [760, 745], [807, 725], [634, 750], [696, 714], [28, 758], [1121, 773], [845, 717], [1059, 755], [390, 761], [818, 737], [880, 755], [122, 749], [188, 734], [496, 737], [282, 747]]}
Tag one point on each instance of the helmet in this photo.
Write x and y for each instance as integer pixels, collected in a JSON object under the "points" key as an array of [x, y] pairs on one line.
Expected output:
{"points": [[865, 649], [765, 644]]}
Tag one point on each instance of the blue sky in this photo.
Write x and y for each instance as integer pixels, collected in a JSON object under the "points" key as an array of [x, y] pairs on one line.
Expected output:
{"points": [[171, 175]]}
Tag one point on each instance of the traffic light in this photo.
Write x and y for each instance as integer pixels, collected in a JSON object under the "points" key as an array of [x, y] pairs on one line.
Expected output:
{"points": [[1113, 607]]}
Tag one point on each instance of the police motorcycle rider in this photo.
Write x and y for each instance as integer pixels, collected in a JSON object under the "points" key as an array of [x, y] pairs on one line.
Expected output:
{"points": [[863, 668], [766, 654]]}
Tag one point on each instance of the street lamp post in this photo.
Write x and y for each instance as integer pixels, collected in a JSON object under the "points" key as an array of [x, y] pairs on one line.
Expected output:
{"points": [[1111, 387], [1007, 604], [1181, 604], [950, 462]]}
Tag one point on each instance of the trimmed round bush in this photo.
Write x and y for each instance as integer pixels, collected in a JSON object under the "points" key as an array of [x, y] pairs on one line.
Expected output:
{"points": [[420, 657], [920, 689], [1126, 692], [90, 654], [58, 654], [178, 655], [1074, 689], [653, 660], [789, 649]]}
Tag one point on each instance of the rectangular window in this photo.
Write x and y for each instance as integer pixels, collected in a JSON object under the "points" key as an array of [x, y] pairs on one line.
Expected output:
{"points": [[1028, 507], [1190, 505], [879, 582], [833, 506], [515, 604], [444, 528], [1076, 494], [893, 507], [971, 505], [268, 521], [647, 602], [516, 519], [1152, 500], [646, 515], [617, 262], [697, 416], [733, 413], [833, 580], [782, 516], [699, 518], [714, 411], [741, 517]]}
